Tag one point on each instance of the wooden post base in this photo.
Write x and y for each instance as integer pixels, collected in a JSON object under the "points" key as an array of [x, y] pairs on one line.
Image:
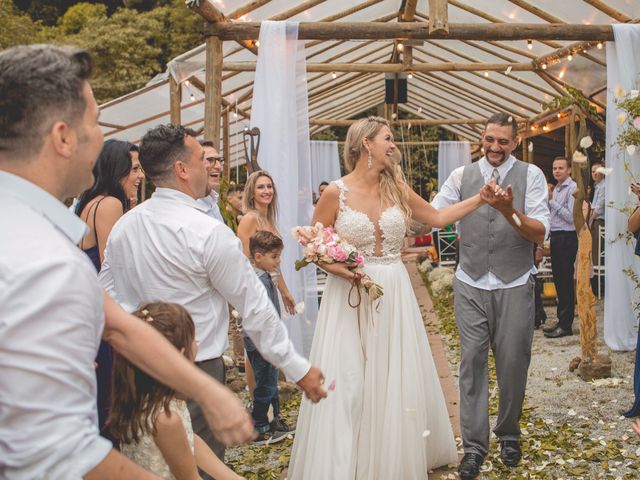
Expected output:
{"points": [[599, 367]]}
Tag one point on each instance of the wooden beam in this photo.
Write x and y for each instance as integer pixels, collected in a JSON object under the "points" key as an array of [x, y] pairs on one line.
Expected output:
{"points": [[420, 31], [301, 7], [403, 122], [211, 14], [608, 10], [393, 67], [409, 12], [249, 7], [175, 98], [438, 17], [538, 12], [213, 91]]}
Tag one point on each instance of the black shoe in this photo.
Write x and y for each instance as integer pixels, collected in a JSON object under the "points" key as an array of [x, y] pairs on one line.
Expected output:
{"points": [[558, 332], [281, 426], [549, 328], [510, 452], [469, 467], [269, 437]]}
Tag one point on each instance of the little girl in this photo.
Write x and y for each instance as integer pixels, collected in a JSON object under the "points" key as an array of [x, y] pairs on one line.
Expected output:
{"points": [[151, 423]]}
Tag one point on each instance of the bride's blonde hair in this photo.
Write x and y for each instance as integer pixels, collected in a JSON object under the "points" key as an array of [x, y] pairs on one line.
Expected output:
{"points": [[392, 182]]}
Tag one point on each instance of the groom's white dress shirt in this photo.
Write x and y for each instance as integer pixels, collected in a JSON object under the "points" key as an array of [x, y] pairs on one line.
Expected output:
{"points": [[168, 249], [51, 322]]}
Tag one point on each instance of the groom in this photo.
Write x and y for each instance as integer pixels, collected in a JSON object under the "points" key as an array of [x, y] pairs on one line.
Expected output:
{"points": [[494, 301]]}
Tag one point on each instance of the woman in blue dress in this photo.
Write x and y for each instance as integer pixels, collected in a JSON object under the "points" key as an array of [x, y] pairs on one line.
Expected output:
{"points": [[117, 177]]}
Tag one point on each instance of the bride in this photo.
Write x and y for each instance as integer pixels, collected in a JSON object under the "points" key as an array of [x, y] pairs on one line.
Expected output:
{"points": [[385, 415]]}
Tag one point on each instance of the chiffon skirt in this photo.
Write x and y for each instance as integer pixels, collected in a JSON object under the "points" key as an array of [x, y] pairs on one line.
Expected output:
{"points": [[386, 418]]}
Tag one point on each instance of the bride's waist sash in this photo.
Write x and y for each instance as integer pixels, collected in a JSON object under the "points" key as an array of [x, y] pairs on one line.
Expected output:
{"points": [[382, 260]]}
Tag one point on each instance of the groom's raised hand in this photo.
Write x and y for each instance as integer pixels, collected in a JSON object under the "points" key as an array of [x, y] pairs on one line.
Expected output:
{"points": [[311, 384], [497, 197]]}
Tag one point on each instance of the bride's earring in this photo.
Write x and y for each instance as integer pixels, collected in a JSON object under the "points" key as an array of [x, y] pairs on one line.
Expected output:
{"points": [[369, 160]]}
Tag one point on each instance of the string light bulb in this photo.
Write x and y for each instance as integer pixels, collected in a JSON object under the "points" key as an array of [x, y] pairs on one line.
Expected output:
{"points": [[529, 45], [569, 57], [257, 43], [486, 73], [187, 83], [410, 76], [400, 47], [544, 66], [334, 75], [599, 45], [192, 97]]}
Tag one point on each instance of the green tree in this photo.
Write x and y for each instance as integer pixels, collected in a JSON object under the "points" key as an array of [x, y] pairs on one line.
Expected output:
{"points": [[17, 27]]}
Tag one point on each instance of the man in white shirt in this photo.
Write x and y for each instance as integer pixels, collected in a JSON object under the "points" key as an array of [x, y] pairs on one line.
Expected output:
{"points": [[52, 309], [168, 249], [494, 302], [214, 158]]}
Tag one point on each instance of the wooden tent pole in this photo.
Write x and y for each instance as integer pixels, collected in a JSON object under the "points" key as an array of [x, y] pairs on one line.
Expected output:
{"points": [[175, 97], [213, 91]]}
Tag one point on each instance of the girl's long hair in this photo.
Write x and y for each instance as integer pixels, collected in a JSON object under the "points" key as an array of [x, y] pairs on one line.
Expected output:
{"points": [[113, 164], [136, 398], [393, 186], [249, 197]]}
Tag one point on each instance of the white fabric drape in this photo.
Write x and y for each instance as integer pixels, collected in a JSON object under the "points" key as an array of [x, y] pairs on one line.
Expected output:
{"points": [[325, 162], [280, 110], [451, 155], [623, 68]]}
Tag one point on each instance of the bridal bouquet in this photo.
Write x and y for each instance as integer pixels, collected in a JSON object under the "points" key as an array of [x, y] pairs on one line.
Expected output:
{"points": [[323, 244]]}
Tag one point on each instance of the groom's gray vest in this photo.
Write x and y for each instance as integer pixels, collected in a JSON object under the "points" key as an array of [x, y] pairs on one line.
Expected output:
{"points": [[488, 243]]}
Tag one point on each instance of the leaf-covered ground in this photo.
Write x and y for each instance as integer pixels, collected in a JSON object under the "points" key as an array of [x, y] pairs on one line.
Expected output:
{"points": [[571, 429]]}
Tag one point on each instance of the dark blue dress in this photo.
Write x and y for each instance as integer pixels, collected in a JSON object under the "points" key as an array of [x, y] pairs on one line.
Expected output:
{"points": [[104, 359], [634, 411]]}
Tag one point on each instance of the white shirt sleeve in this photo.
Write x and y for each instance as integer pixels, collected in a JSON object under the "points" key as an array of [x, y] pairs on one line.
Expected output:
{"points": [[536, 199], [233, 277], [449, 193]]}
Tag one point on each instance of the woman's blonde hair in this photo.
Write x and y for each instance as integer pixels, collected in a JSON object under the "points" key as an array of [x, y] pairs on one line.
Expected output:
{"points": [[393, 186], [249, 201]]}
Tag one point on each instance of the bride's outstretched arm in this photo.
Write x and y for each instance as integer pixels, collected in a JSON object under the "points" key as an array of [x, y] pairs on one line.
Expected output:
{"points": [[423, 212]]}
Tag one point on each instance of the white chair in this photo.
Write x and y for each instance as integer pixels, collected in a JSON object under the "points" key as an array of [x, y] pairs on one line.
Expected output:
{"points": [[447, 250], [598, 264]]}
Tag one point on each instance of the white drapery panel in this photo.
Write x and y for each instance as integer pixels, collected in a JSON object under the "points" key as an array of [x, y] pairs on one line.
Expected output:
{"points": [[623, 68], [325, 162], [451, 155], [280, 111]]}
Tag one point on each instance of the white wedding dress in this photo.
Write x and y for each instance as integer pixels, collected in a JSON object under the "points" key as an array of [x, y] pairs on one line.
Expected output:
{"points": [[386, 418]]}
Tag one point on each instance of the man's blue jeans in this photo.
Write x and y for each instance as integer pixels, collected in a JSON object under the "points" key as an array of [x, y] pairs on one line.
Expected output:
{"points": [[266, 391]]}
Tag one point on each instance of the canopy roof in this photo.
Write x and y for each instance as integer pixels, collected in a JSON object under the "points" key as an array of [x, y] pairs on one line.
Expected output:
{"points": [[455, 83]]}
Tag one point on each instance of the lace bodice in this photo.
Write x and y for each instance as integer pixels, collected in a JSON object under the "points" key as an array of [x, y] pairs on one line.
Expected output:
{"points": [[357, 229], [147, 454]]}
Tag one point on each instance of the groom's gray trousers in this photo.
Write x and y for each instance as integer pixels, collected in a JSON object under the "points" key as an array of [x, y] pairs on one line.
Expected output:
{"points": [[502, 319]]}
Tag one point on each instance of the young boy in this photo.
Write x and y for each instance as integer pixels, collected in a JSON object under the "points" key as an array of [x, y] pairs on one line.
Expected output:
{"points": [[265, 249]]}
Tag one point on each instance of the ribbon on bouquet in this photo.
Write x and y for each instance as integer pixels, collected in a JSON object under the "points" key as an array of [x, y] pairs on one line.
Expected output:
{"points": [[356, 283]]}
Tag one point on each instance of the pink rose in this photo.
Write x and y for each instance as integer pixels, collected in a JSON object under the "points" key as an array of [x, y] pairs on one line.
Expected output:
{"points": [[337, 253], [359, 260], [636, 122]]}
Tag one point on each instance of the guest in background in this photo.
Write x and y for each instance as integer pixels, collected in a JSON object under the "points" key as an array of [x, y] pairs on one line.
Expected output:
{"points": [[118, 176], [596, 220], [564, 247], [634, 227], [213, 157], [321, 188], [235, 202]]}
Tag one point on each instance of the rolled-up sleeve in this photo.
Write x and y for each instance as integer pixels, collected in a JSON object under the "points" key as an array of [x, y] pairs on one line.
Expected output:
{"points": [[233, 277]]}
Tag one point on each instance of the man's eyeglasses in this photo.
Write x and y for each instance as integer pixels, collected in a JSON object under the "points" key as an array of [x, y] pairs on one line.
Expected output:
{"points": [[213, 160]]}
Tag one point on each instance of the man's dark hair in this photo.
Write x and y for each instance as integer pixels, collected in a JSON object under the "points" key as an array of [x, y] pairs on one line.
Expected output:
{"points": [[39, 85], [264, 242], [503, 119], [207, 143], [323, 183], [161, 147], [233, 188]]}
